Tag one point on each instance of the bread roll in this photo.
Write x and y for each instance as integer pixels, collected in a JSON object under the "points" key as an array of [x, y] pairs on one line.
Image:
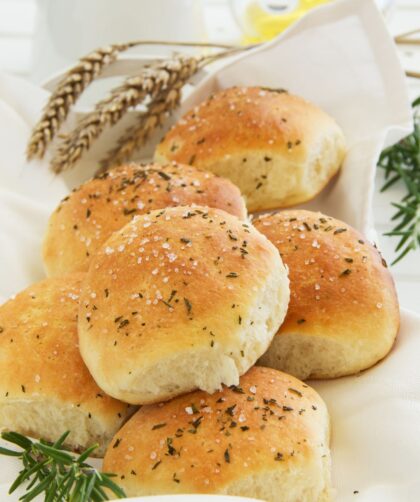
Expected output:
{"points": [[45, 388], [266, 438], [343, 315], [180, 299], [90, 214], [277, 148]]}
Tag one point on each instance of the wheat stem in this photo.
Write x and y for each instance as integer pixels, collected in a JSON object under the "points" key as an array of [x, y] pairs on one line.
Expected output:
{"points": [[77, 80], [162, 76]]}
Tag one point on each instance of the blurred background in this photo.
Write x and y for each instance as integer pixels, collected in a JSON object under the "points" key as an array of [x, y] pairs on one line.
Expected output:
{"points": [[40, 37]]}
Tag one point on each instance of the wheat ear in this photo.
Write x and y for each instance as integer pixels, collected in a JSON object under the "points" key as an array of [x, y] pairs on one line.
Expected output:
{"points": [[108, 111], [136, 136], [75, 82], [66, 94]]}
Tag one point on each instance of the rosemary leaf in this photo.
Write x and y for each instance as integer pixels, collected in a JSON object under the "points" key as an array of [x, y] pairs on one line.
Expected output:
{"points": [[60, 475], [401, 164]]}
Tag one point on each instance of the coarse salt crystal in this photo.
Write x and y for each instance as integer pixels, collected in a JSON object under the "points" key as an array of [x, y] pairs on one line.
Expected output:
{"points": [[253, 389], [109, 250], [189, 410], [153, 455]]}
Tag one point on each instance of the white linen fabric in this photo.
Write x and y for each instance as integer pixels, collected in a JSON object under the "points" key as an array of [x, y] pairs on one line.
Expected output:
{"points": [[341, 57]]}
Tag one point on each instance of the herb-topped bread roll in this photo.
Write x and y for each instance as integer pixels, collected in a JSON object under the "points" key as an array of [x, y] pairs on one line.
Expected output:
{"points": [[277, 148], [45, 388], [180, 299], [343, 315], [266, 438], [91, 213]]}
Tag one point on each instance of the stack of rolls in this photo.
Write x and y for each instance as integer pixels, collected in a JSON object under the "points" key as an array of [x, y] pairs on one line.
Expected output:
{"points": [[162, 297]]}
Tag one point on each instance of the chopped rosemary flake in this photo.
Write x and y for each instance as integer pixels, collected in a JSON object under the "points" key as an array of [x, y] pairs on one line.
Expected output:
{"points": [[185, 240], [227, 456], [345, 272], [188, 305], [301, 321], [117, 443], [127, 211], [237, 389], [348, 260], [164, 175], [88, 212], [279, 456], [340, 231], [156, 465], [231, 410], [171, 449], [244, 428], [159, 426], [175, 479], [232, 275]]}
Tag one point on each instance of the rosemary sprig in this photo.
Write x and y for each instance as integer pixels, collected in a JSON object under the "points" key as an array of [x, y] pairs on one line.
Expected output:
{"points": [[401, 163], [50, 469]]}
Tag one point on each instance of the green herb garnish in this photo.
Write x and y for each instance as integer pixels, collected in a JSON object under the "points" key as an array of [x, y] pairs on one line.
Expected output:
{"points": [[50, 469], [401, 163]]}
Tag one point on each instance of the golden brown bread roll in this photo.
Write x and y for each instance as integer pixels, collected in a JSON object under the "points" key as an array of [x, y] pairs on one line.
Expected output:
{"points": [[266, 438], [45, 388], [91, 213], [343, 315], [277, 148], [180, 299]]}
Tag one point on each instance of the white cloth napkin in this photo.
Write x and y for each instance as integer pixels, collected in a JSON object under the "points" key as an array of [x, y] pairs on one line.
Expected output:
{"points": [[341, 57]]}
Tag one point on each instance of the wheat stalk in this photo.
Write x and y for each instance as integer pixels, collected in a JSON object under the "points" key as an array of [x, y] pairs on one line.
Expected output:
{"points": [[75, 82], [66, 94], [136, 136], [109, 111]]}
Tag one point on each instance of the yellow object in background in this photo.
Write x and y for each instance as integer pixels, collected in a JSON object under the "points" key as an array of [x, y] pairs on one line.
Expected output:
{"points": [[264, 19]]}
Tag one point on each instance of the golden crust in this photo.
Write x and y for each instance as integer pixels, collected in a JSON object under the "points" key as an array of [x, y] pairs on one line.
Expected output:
{"points": [[39, 354], [201, 443], [246, 133], [171, 283], [341, 288], [104, 204]]}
